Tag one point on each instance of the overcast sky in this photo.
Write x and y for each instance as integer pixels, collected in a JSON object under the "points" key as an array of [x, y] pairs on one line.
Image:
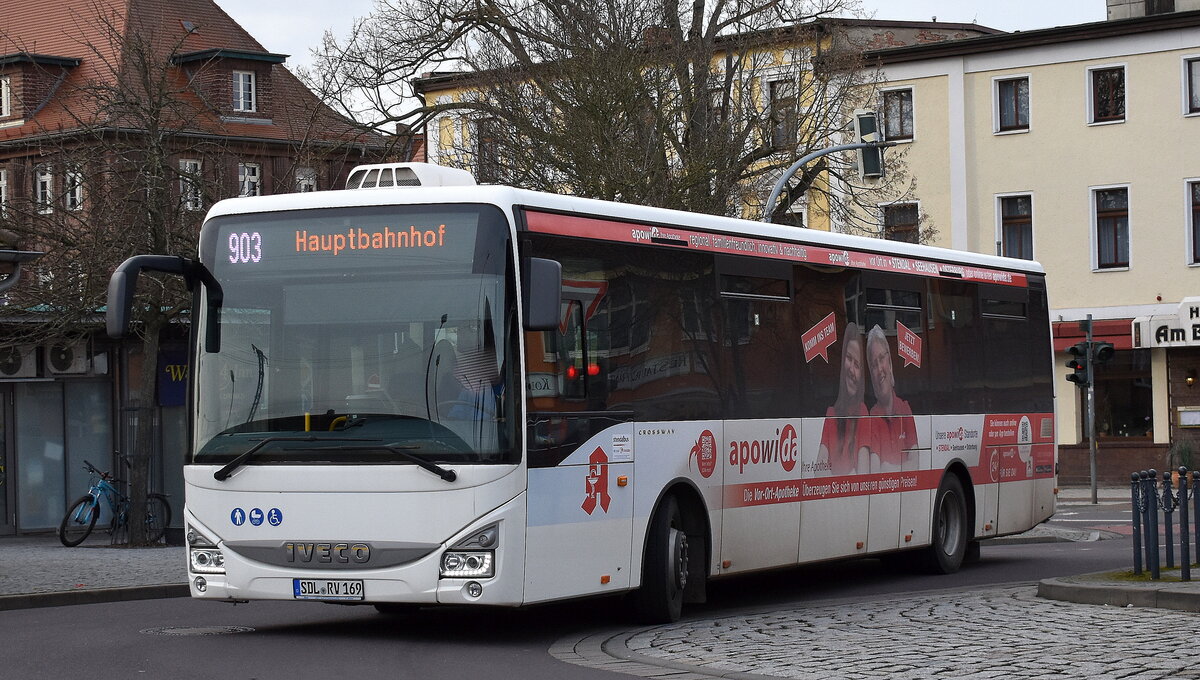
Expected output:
{"points": [[296, 26]]}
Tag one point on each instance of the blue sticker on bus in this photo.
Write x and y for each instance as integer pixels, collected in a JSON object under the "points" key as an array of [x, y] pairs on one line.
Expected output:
{"points": [[256, 516], [275, 516], [238, 517]]}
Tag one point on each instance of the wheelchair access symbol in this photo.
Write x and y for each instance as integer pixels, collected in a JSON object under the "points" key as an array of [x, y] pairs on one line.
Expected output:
{"points": [[275, 517]]}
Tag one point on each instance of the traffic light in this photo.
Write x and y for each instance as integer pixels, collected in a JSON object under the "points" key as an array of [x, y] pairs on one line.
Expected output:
{"points": [[866, 129], [1102, 352], [1079, 363]]}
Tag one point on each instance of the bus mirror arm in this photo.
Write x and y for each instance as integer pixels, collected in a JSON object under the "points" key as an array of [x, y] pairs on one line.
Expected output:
{"points": [[123, 285], [541, 293]]}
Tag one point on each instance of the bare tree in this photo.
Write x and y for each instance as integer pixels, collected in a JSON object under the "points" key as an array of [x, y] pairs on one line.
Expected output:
{"points": [[128, 168], [694, 106]]}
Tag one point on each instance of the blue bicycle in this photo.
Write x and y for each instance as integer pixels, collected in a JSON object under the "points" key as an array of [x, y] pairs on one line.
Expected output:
{"points": [[81, 517]]}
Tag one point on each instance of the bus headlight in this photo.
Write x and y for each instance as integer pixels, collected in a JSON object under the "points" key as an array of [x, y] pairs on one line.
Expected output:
{"points": [[203, 555], [206, 561], [456, 564]]}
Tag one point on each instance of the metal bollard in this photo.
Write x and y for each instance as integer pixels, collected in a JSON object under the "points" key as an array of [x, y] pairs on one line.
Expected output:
{"points": [[1136, 502], [1150, 484], [1168, 507], [1185, 557]]}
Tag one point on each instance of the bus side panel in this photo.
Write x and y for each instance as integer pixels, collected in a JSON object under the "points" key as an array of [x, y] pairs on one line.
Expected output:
{"points": [[669, 451], [833, 523], [1023, 447], [915, 505], [960, 438], [761, 526], [580, 520]]}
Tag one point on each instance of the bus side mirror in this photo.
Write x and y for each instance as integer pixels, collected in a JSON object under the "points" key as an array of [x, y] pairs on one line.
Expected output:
{"points": [[541, 293], [123, 285]]}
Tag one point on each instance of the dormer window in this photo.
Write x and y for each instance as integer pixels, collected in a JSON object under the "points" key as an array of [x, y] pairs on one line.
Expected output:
{"points": [[244, 96]]}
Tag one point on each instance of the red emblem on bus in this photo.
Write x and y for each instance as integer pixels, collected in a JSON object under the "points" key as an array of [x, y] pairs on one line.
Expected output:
{"points": [[596, 483], [705, 453]]}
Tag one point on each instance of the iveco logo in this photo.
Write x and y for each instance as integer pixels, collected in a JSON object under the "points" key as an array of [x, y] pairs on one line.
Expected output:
{"points": [[329, 553]]}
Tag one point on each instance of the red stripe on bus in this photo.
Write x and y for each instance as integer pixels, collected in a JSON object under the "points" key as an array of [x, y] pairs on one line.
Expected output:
{"points": [[796, 490], [628, 232]]}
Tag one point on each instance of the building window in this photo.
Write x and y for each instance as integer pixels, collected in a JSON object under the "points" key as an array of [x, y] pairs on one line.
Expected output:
{"points": [[1016, 226], [249, 179], [900, 222], [3, 193], [1159, 7], [1194, 215], [43, 190], [783, 114], [73, 188], [191, 187], [898, 114], [1192, 73], [306, 180], [5, 97], [1012, 104], [487, 154], [1112, 228], [243, 91], [1124, 395], [1108, 94]]}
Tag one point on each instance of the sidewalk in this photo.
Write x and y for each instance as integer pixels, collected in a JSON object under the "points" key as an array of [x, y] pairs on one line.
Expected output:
{"points": [[38, 571]]}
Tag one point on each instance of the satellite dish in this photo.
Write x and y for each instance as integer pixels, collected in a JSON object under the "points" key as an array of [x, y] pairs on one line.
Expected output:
{"points": [[62, 357], [10, 360]]}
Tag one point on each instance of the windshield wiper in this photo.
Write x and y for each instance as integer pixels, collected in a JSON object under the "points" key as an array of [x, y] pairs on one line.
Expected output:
{"points": [[401, 450], [223, 474]]}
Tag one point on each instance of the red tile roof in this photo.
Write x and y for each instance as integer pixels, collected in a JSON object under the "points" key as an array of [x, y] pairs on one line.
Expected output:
{"points": [[84, 30]]}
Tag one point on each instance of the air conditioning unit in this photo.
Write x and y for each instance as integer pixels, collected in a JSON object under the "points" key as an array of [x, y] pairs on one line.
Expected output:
{"points": [[67, 358], [18, 361]]}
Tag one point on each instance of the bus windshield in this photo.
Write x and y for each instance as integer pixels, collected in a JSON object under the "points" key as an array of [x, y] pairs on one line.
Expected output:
{"points": [[359, 335]]}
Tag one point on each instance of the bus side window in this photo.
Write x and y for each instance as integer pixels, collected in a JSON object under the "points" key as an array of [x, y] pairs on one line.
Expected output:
{"points": [[570, 353]]}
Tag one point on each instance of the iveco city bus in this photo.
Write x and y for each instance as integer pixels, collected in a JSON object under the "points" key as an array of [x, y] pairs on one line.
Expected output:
{"points": [[435, 392]]}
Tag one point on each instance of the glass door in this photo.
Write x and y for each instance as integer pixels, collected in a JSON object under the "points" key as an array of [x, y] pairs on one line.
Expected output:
{"points": [[7, 495]]}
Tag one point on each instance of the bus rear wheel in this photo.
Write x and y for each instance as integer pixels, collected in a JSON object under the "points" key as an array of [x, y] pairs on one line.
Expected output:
{"points": [[950, 531], [664, 567]]}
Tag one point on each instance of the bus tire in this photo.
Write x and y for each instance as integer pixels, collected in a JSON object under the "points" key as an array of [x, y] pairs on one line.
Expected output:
{"points": [[664, 567], [950, 533]]}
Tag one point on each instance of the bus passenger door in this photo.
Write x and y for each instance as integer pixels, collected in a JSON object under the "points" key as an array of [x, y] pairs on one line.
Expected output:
{"points": [[581, 482]]}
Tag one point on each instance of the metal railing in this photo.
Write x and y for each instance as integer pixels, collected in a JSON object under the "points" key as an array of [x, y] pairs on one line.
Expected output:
{"points": [[1152, 494]]}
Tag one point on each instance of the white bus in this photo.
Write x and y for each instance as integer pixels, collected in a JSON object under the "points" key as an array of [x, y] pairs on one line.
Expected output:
{"points": [[444, 393]]}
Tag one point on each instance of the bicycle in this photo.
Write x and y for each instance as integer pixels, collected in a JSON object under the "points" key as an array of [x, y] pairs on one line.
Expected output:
{"points": [[81, 516]]}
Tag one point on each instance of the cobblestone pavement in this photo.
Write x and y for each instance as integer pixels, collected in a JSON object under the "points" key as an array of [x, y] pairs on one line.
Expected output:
{"points": [[40, 564], [995, 632]]}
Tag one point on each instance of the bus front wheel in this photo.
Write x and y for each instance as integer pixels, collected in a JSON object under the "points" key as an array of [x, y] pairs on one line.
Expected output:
{"points": [[950, 531], [664, 566]]}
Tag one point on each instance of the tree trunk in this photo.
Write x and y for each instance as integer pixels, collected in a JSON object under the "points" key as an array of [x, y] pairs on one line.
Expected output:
{"points": [[140, 456]]}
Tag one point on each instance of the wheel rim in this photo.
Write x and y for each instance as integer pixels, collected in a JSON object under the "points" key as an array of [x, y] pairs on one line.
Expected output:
{"points": [[678, 559], [949, 528]]}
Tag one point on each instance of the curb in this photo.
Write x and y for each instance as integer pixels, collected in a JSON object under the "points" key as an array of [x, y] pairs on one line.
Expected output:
{"points": [[1177, 596], [93, 596]]}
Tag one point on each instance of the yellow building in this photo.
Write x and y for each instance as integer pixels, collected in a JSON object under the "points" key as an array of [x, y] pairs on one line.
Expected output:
{"points": [[782, 92], [1075, 146]]}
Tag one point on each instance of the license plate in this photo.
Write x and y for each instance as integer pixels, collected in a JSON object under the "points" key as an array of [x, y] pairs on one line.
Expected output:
{"points": [[327, 589]]}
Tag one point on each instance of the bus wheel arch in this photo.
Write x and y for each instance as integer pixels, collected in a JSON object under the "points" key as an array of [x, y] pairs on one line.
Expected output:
{"points": [[675, 555]]}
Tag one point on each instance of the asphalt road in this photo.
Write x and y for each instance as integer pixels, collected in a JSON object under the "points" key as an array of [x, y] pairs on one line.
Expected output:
{"points": [[182, 638]]}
